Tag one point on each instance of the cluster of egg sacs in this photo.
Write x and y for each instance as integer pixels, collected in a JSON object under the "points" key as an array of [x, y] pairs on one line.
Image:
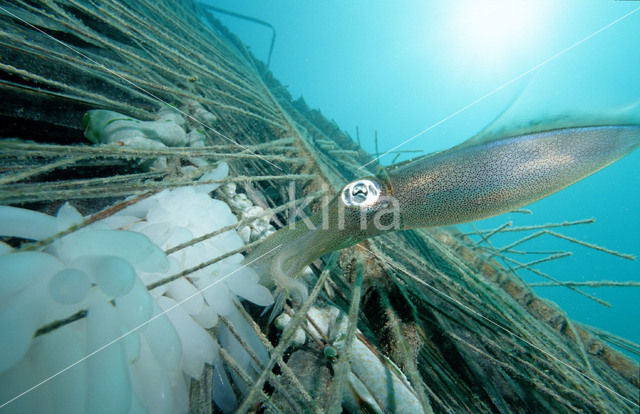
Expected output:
{"points": [[135, 350]]}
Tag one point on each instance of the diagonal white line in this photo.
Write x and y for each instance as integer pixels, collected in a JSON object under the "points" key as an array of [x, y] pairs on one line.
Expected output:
{"points": [[390, 264], [132, 330], [496, 324], [140, 88], [504, 85], [178, 303]]}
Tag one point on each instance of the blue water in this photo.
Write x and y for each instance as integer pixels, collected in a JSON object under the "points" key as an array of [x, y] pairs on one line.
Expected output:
{"points": [[399, 68]]}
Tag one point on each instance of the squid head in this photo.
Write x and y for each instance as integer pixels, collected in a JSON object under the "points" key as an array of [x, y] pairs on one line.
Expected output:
{"points": [[479, 178]]}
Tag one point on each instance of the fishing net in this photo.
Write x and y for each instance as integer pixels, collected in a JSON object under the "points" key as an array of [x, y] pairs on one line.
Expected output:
{"points": [[412, 321]]}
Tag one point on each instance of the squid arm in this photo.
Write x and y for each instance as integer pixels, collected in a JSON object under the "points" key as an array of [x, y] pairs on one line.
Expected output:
{"points": [[477, 179]]}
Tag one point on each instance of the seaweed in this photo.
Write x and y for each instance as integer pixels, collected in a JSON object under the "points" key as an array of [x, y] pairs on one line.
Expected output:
{"points": [[448, 309]]}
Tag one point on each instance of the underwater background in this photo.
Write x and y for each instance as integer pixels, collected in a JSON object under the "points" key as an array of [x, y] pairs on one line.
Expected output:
{"points": [[124, 281], [427, 76]]}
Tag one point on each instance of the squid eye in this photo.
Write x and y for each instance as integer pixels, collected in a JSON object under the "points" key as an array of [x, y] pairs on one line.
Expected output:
{"points": [[361, 193]]}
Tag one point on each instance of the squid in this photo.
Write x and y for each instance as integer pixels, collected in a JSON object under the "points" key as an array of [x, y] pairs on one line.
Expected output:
{"points": [[479, 178]]}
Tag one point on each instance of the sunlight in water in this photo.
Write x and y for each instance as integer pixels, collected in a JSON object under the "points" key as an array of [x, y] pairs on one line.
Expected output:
{"points": [[493, 32]]}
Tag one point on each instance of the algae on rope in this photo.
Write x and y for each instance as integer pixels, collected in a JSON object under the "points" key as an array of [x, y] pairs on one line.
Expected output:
{"points": [[466, 333]]}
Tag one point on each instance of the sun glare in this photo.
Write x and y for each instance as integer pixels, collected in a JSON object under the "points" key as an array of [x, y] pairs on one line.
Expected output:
{"points": [[490, 32]]}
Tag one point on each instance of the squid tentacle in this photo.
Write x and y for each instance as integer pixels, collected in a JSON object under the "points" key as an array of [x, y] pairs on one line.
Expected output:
{"points": [[472, 181]]}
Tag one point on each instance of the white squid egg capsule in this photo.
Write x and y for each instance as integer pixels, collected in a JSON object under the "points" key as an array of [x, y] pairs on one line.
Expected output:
{"points": [[114, 275], [69, 286]]}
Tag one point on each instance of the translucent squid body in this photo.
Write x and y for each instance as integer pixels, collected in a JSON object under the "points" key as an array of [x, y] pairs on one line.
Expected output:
{"points": [[477, 179]]}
